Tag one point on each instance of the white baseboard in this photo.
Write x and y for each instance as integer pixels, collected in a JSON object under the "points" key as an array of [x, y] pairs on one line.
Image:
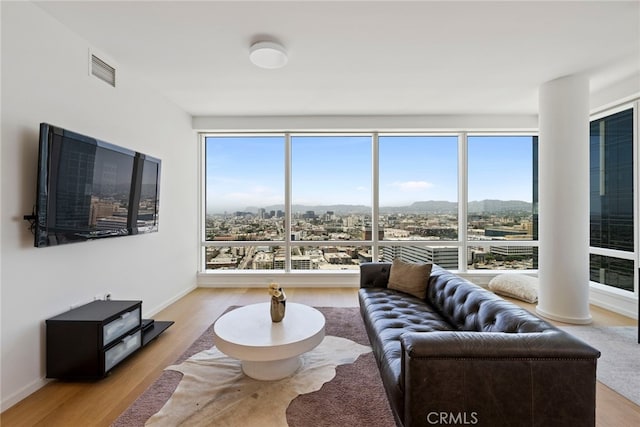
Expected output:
{"points": [[155, 310], [9, 401]]}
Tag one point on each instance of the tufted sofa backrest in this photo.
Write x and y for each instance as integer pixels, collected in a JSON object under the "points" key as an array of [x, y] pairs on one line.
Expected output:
{"points": [[469, 307]]}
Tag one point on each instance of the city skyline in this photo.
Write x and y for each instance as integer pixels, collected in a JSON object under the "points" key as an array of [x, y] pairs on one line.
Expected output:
{"points": [[418, 207], [249, 171]]}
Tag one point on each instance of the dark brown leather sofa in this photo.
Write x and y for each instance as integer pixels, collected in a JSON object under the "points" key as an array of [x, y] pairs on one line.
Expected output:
{"points": [[465, 356]]}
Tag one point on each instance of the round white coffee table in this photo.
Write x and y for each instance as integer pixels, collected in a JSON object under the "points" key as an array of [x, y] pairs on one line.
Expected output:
{"points": [[268, 350]]}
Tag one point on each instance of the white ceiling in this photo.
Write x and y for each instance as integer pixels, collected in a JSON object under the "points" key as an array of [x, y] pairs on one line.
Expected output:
{"points": [[361, 57]]}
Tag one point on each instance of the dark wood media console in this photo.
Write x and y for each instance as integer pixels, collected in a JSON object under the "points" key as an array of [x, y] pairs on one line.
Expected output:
{"points": [[89, 341]]}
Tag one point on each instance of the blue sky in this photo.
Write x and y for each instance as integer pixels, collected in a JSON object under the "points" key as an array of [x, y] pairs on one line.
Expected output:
{"points": [[249, 171]]}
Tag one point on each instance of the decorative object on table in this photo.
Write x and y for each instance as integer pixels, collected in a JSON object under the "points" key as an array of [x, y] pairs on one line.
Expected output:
{"points": [[278, 302]]}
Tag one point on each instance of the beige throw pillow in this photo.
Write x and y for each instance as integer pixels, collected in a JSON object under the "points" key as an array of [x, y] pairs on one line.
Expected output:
{"points": [[409, 278], [519, 286]]}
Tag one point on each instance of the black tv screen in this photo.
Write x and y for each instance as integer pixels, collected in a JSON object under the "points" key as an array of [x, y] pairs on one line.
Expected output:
{"points": [[91, 189]]}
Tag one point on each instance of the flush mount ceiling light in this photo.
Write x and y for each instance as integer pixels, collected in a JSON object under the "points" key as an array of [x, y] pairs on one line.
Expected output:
{"points": [[268, 55]]}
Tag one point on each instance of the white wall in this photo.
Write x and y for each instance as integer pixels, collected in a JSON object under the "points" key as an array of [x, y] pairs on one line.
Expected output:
{"points": [[45, 79], [434, 123]]}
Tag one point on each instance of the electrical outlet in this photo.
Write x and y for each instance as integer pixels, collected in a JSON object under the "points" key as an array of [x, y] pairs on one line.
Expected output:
{"points": [[102, 297]]}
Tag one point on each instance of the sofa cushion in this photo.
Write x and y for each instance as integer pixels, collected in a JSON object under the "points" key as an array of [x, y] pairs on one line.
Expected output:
{"points": [[518, 286], [409, 278]]}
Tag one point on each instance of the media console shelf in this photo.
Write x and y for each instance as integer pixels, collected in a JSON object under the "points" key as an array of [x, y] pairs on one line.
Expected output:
{"points": [[155, 328], [90, 340]]}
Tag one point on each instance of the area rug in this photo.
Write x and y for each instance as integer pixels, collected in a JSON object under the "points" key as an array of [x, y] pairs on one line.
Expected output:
{"points": [[619, 364], [354, 397]]}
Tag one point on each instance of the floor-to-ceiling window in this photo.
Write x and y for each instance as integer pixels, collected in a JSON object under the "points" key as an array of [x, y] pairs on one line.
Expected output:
{"points": [[327, 201], [330, 201], [612, 200], [418, 198], [244, 193], [500, 202]]}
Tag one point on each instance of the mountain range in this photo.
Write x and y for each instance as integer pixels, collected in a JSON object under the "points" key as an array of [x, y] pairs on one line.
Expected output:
{"points": [[431, 206]]}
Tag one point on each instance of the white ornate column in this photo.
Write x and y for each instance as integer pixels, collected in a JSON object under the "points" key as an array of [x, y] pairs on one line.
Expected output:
{"points": [[563, 166]]}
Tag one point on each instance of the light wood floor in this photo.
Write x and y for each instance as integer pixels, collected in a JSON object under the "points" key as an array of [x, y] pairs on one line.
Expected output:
{"points": [[99, 403]]}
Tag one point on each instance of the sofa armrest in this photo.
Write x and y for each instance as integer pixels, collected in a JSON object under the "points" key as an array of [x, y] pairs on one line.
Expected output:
{"points": [[552, 343], [374, 274], [499, 378]]}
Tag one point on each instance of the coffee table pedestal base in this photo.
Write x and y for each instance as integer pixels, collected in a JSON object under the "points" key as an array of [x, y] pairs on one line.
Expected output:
{"points": [[271, 370], [268, 351]]}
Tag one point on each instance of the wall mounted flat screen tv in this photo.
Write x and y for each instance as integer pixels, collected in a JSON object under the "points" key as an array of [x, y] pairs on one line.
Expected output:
{"points": [[90, 189]]}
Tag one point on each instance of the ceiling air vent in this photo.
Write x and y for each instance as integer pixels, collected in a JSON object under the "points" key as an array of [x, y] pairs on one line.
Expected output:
{"points": [[103, 71]]}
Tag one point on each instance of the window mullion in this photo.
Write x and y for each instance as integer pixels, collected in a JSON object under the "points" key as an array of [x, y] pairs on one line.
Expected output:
{"points": [[287, 201], [463, 186], [202, 213], [636, 195], [375, 208]]}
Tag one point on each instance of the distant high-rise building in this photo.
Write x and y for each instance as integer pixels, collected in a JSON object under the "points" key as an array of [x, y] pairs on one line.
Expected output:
{"points": [[511, 250], [263, 261], [504, 231], [338, 258], [367, 233], [612, 198], [300, 262], [444, 256]]}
